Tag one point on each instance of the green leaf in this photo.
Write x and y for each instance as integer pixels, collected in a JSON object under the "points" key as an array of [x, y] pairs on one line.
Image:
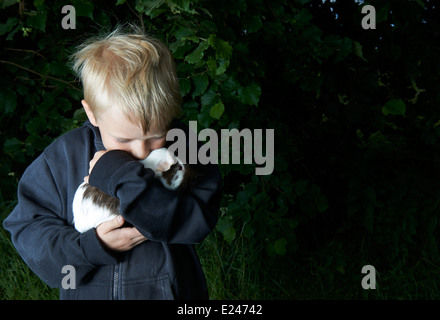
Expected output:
{"points": [[222, 48], [7, 3], [197, 54], [358, 50], [382, 13], [212, 65], [175, 46], [293, 223], [148, 6], [80, 115], [39, 4], [185, 86], [321, 203], [75, 94], [63, 104], [222, 66], [36, 143], [8, 100], [83, 8], [250, 95], [394, 107], [217, 110], [15, 149], [201, 83], [312, 33], [301, 186], [204, 117], [253, 24], [186, 34], [209, 98], [280, 246], [248, 231], [183, 32], [58, 68], [177, 6], [191, 110], [226, 228], [6, 27], [38, 21], [303, 16], [35, 126], [12, 145]]}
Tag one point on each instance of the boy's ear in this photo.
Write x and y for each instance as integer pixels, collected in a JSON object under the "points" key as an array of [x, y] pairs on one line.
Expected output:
{"points": [[89, 113]]}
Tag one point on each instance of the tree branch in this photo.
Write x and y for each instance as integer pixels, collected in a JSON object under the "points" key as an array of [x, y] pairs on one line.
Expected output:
{"points": [[40, 74]]}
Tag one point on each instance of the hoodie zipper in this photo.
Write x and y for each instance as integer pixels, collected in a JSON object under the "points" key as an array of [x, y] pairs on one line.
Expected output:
{"points": [[116, 282]]}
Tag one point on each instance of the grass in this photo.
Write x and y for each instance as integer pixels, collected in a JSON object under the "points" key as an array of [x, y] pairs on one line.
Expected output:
{"points": [[17, 281], [241, 270]]}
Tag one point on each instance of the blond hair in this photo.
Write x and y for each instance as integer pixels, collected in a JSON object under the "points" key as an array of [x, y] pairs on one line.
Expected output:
{"points": [[132, 72]]}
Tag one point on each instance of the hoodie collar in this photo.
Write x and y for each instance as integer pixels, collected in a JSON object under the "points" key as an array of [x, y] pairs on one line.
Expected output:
{"points": [[98, 140]]}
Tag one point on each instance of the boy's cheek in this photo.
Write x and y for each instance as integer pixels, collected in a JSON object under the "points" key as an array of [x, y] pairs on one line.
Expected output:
{"points": [[158, 144], [112, 145]]}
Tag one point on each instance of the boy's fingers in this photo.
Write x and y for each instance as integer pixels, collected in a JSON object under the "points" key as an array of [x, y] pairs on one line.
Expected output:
{"points": [[133, 242], [117, 238], [118, 221], [137, 242], [135, 237], [132, 234]]}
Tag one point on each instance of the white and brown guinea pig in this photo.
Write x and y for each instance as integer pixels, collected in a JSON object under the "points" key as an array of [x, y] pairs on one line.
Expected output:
{"points": [[92, 206]]}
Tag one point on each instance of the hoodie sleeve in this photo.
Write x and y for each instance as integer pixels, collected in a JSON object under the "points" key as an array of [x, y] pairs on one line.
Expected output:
{"points": [[40, 231], [158, 213]]}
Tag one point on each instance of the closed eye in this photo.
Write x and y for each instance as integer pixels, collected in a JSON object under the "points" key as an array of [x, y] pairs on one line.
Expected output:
{"points": [[123, 140], [158, 138]]}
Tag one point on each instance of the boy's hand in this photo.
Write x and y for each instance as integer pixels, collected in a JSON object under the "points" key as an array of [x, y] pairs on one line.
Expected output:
{"points": [[92, 163], [110, 232], [116, 238]]}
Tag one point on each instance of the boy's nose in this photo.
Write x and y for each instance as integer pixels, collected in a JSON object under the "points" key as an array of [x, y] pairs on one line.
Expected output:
{"points": [[140, 150]]}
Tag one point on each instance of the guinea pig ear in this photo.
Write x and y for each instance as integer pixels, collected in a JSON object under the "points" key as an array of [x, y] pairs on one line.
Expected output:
{"points": [[166, 163]]}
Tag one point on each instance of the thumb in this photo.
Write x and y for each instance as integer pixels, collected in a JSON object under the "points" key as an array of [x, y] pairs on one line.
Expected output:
{"points": [[110, 225], [118, 221]]}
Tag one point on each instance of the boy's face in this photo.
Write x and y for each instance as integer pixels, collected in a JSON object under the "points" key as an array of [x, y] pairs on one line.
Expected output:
{"points": [[118, 133]]}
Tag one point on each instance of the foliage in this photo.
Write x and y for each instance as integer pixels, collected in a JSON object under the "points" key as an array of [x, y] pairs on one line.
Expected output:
{"points": [[355, 114], [17, 281]]}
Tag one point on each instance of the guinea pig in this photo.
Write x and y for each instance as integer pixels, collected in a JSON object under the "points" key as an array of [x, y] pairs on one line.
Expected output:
{"points": [[92, 206]]}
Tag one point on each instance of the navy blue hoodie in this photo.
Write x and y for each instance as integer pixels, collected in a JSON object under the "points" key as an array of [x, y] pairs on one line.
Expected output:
{"points": [[164, 267]]}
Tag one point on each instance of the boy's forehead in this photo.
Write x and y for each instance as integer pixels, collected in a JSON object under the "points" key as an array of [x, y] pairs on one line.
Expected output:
{"points": [[118, 125]]}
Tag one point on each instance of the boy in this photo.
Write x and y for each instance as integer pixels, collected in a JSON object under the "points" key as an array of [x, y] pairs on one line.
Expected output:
{"points": [[131, 97]]}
